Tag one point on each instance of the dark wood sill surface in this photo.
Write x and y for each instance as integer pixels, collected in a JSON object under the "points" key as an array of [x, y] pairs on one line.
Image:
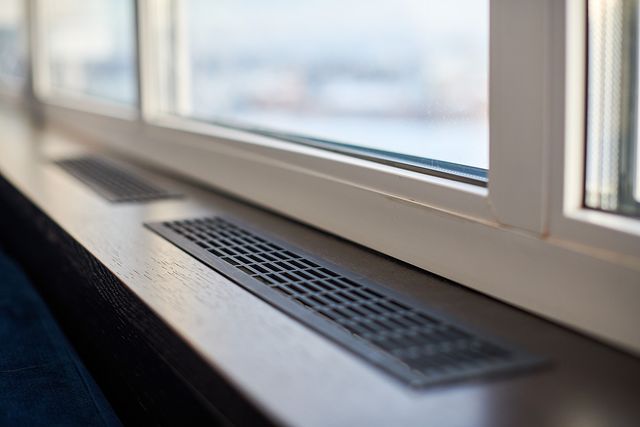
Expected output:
{"points": [[158, 326]]}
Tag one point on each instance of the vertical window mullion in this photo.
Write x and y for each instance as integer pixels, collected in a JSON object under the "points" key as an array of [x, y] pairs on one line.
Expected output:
{"points": [[519, 109]]}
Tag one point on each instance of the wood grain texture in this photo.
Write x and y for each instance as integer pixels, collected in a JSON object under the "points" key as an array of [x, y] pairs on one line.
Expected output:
{"points": [[161, 325], [140, 363]]}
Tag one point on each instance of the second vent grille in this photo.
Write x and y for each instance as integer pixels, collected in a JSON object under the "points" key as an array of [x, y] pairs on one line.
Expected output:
{"points": [[407, 340], [113, 182]]}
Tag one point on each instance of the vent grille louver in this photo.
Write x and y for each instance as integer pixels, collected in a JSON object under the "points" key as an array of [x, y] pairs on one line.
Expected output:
{"points": [[113, 182], [410, 341]]}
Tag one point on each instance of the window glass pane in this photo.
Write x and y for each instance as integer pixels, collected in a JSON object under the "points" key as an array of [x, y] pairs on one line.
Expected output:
{"points": [[612, 179], [399, 79], [91, 48], [12, 42]]}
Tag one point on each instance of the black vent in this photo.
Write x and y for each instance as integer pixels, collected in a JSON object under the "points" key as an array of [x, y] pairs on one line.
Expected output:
{"points": [[112, 181], [407, 340]]}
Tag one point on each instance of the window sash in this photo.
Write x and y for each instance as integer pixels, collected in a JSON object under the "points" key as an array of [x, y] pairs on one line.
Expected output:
{"points": [[520, 193]]}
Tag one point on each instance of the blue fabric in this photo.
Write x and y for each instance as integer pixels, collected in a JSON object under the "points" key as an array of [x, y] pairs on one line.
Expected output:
{"points": [[42, 380]]}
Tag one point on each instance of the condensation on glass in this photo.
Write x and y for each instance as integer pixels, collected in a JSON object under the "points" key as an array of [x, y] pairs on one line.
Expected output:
{"points": [[12, 43], [89, 49], [399, 78], [612, 181]]}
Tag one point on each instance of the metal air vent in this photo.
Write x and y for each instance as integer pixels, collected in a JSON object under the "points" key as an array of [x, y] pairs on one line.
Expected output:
{"points": [[407, 340], [112, 181]]}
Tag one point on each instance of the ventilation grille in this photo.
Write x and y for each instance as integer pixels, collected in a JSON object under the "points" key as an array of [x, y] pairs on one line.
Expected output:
{"points": [[112, 181], [409, 341]]}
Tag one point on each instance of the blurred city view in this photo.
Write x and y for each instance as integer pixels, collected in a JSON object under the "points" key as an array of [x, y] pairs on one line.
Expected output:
{"points": [[12, 43], [407, 76], [90, 48], [403, 76]]}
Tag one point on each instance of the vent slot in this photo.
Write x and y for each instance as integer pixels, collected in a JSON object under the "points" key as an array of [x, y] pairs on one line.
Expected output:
{"points": [[112, 181], [409, 341]]}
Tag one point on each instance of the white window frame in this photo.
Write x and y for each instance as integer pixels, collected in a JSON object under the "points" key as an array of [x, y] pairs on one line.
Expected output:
{"points": [[569, 219], [525, 239]]}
